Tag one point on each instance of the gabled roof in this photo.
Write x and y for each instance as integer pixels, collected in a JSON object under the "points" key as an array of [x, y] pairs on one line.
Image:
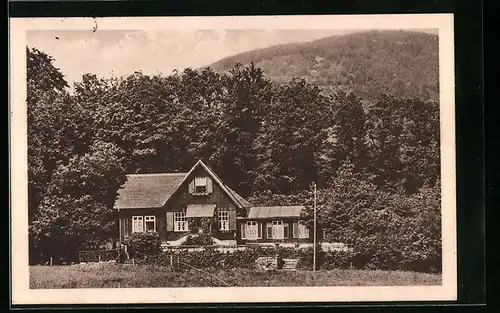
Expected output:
{"points": [[147, 190], [155, 190]]}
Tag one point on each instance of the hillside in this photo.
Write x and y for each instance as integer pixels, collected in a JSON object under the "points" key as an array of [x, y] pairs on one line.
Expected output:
{"points": [[402, 63]]}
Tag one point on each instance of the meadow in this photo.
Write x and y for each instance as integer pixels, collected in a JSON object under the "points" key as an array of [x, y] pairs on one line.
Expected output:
{"points": [[118, 276]]}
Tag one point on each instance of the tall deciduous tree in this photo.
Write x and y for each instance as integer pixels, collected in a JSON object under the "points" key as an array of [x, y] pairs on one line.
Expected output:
{"points": [[76, 211], [347, 136], [294, 130], [48, 122], [403, 138], [248, 93], [136, 115]]}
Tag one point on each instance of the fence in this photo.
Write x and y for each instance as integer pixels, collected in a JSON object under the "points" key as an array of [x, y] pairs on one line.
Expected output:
{"points": [[184, 248], [327, 247], [177, 264], [94, 256]]}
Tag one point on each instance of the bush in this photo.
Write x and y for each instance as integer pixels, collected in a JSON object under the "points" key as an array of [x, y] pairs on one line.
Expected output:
{"points": [[305, 257], [199, 240], [369, 259], [143, 245], [211, 258], [337, 260]]}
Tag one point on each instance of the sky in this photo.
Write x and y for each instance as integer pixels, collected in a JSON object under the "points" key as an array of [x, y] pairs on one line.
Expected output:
{"points": [[118, 53]]}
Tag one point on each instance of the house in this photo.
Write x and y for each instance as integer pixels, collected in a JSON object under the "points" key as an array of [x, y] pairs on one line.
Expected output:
{"points": [[176, 204]]}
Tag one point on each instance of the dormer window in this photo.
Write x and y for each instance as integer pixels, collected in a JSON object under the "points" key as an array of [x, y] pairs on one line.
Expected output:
{"points": [[200, 186]]}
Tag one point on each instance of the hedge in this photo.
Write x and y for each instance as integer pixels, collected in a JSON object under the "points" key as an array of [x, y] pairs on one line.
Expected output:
{"points": [[146, 249]]}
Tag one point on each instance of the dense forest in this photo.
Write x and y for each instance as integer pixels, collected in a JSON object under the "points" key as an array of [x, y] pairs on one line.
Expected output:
{"points": [[377, 170], [400, 63]]}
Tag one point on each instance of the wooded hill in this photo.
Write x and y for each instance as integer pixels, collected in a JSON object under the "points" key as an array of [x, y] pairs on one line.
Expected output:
{"points": [[400, 63]]}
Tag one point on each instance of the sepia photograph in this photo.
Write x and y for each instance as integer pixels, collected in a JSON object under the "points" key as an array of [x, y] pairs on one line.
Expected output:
{"points": [[208, 156]]}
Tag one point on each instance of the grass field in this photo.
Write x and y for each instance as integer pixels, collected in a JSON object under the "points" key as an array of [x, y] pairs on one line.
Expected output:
{"points": [[116, 276]]}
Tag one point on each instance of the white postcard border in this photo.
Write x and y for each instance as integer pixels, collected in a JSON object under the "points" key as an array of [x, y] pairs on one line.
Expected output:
{"points": [[21, 294]]}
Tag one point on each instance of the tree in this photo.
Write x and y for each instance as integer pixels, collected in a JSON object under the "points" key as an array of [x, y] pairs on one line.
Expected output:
{"points": [[384, 129], [136, 114], [347, 136], [349, 196], [294, 129], [200, 122], [42, 75], [53, 123], [76, 211], [248, 93], [403, 141]]}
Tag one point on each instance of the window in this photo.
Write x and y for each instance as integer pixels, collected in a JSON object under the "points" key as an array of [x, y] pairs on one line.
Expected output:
{"points": [[303, 231], [253, 230], [200, 185], [276, 230], [285, 230], [150, 223], [224, 220], [300, 230], [137, 224], [180, 221]]}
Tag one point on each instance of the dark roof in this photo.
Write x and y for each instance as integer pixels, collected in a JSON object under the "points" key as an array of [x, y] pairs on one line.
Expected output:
{"points": [[147, 190], [275, 211], [154, 190]]}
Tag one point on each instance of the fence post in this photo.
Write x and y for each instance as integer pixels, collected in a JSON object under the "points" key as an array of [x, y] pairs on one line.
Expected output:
{"points": [[99, 256], [171, 260], [50, 261]]}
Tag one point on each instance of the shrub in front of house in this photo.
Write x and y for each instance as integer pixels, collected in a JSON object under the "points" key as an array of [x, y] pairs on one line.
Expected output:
{"points": [[337, 260], [306, 260], [376, 260], [143, 245], [209, 258], [201, 239]]}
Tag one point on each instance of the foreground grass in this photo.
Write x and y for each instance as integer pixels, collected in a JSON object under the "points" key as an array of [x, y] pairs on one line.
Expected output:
{"points": [[116, 276]]}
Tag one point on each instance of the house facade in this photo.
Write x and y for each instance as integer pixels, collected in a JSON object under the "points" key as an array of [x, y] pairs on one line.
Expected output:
{"points": [[178, 204]]}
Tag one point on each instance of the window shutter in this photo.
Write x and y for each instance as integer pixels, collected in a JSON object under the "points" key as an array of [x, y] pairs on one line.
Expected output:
{"points": [[191, 187], [269, 231], [243, 234], [129, 225], [160, 225], [209, 185], [170, 221], [295, 230], [125, 229], [232, 220], [259, 225]]}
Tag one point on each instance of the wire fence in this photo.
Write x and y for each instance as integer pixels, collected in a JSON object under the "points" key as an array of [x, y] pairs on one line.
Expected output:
{"points": [[95, 256], [187, 248], [179, 265]]}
